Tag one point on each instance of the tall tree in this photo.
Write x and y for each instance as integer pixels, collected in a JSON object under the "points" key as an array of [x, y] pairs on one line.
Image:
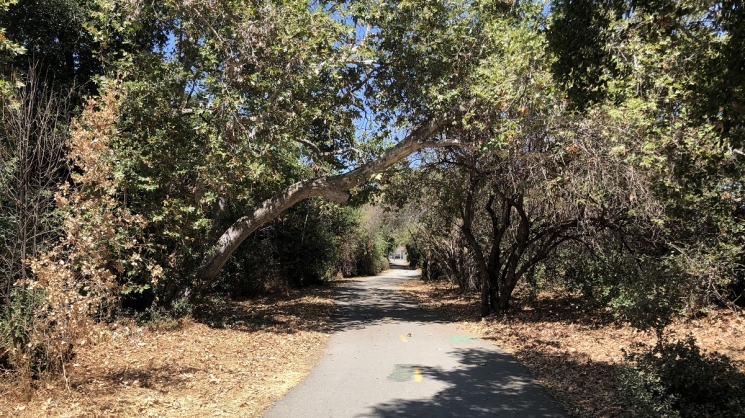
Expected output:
{"points": [[250, 109], [670, 67]]}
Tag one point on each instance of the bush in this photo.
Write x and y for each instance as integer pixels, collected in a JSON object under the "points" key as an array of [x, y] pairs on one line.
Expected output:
{"points": [[674, 379], [416, 256], [364, 249], [444, 257], [363, 255], [23, 348], [301, 247]]}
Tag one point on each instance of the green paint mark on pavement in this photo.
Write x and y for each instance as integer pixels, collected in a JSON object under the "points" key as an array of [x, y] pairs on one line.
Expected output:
{"points": [[405, 373], [461, 338]]}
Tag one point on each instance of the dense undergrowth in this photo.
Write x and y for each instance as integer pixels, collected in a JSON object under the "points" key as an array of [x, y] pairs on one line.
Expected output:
{"points": [[675, 379]]}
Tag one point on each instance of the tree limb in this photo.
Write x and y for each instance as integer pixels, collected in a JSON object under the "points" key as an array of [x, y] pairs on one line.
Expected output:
{"points": [[334, 188], [325, 155]]}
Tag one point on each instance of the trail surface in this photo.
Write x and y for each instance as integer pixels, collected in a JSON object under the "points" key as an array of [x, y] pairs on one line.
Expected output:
{"points": [[390, 358]]}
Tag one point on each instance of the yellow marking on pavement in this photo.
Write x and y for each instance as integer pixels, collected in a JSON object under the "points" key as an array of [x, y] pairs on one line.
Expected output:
{"points": [[403, 338], [417, 374]]}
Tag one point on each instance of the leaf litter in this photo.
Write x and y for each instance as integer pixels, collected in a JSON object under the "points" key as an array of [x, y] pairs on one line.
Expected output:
{"points": [[574, 354], [233, 359]]}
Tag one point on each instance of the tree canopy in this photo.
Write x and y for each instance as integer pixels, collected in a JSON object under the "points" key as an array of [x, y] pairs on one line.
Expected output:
{"points": [[600, 141]]}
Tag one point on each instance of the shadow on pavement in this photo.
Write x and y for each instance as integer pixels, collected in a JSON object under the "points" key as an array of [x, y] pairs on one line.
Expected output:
{"points": [[399, 265], [488, 384], [366, 303]]}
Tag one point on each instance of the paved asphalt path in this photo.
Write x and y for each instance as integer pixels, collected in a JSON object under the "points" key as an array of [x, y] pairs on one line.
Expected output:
{"points": [[389, 358]]}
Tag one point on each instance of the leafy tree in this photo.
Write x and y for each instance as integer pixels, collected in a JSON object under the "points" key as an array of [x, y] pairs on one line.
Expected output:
{"points": [[251, 110], [606, 161], [663, 67], [9, 50], [66, 44], [592, 117]]}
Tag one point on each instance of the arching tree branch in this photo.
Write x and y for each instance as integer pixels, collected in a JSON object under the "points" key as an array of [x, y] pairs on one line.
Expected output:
{"points": [[334, 188]]}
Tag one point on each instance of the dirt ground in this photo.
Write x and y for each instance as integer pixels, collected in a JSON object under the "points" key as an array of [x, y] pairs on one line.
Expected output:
{"points": [[232, 359], [575, 355], [238, 358]]}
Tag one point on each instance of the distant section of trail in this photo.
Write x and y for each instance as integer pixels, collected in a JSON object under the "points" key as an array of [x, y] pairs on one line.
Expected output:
{"points": [[390, 358]]}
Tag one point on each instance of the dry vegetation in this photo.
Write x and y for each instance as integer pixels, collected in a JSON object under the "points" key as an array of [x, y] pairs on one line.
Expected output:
{"points": [[574, 354], [231, 359]]}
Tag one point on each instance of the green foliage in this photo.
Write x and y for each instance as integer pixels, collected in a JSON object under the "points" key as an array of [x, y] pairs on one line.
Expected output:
{"points": [[653, 74], [578, 37], [635, 280], [51, 33], [365, 249], [21, 349], [228, 117], [308, 245], [415, 255], [675, 379], [16, 321], [370, 255], [599, 101], [9, 51], [613, 129], [66, 40], [302, 247], [426, 51]]}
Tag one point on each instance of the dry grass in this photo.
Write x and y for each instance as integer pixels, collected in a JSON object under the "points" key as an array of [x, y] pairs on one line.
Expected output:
{"points": [[575, 355], [233, 359]]}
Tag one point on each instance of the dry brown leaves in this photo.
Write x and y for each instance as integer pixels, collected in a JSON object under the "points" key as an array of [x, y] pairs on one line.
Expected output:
{"points": [[235, 359], [575, 355]]}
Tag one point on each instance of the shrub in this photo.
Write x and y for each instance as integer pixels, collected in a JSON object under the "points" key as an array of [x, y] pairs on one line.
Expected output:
{"points": [[363, 255], [364, 249], [301, 247], [675, 379], [76, 281], [24, 347], [415, 254]]}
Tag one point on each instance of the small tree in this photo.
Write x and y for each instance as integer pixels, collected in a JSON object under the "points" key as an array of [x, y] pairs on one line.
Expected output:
{"points": [[32, 165]]}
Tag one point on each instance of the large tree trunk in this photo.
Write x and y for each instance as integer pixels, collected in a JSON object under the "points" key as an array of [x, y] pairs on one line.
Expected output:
{"points": [[499, 227], [505, 293], [493, 294], [478, 254], [333, 188]]}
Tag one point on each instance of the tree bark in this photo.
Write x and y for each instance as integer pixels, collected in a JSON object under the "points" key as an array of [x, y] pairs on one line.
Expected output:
{"points": [[478, 254], [509, 277], [499, 227], [505, 293], [334, 188]]}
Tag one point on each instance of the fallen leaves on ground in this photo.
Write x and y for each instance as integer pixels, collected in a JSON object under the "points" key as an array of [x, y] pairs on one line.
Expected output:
{"points": [[231, 359], [574, 354]]}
